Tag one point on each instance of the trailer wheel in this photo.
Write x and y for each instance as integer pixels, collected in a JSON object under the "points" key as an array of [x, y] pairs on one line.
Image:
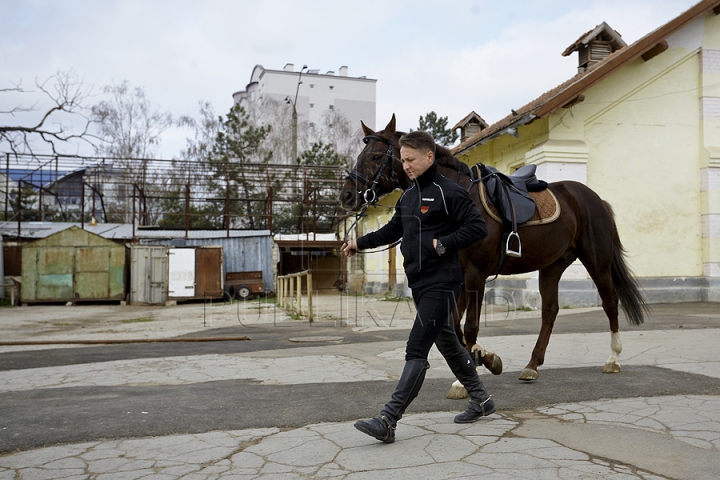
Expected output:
{"points": [[244, 292]]}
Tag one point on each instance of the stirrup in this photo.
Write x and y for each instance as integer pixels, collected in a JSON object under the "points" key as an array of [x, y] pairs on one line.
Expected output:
{"points": [[513, 253]]}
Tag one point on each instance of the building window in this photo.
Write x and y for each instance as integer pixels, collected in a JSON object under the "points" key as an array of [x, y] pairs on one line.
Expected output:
{"points": [[331, 107], [312, 105], [312, 85], [312, 125], [312, 144], [331, 87]]}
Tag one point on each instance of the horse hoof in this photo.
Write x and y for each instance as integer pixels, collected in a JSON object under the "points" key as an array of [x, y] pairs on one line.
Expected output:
{"points": [[496, 368], [611, 368], [528, 375], [457, 391]]}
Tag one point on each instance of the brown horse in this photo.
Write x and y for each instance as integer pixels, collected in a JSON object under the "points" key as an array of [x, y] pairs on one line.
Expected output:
{"points": [[584, 230]]}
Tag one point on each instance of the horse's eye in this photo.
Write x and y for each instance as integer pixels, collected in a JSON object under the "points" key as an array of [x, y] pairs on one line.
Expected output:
{"points": [[376, 158]]}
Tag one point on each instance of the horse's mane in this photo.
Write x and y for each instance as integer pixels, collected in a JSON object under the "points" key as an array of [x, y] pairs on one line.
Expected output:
{"points": [[446, 159]]}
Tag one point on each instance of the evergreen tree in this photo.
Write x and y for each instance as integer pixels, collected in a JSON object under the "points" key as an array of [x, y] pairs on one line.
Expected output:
{"points": [[437, 127]]}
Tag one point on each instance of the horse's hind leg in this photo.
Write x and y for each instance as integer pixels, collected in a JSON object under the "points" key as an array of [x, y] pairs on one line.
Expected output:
{"points": [[603, 281], [548, 284]]}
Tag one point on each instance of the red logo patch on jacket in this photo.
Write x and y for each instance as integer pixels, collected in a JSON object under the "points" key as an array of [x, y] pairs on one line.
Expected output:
{"points": [[424, 209]]}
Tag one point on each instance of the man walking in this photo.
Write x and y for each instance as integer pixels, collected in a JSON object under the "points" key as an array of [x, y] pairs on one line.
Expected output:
{"points": [[435, 218]]}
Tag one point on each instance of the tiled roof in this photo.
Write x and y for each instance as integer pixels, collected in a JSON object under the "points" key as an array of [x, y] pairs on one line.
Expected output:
{"points": [[569, 90]]}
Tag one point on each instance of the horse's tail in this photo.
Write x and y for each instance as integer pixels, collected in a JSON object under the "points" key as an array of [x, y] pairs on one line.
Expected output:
{"points": [[625, 283]]}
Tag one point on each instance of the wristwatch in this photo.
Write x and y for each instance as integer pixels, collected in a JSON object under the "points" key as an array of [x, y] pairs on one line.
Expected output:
{"points": [[440, 248]]}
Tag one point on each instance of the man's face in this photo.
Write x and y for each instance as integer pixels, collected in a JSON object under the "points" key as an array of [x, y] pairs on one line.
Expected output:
{"points": [[415, 162]]}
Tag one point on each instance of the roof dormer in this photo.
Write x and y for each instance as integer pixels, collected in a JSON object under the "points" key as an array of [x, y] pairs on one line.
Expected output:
{"points": [[470, 125], [595, 45]]}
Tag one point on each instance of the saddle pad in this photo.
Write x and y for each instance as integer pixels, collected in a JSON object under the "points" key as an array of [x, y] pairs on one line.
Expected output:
{"points": [[547, 211]]}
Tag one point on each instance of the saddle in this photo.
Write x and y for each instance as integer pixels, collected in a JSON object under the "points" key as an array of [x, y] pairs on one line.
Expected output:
{"points": [[511, 199]]}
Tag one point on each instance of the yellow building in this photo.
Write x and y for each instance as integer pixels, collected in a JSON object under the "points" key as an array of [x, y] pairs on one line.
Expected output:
{"points": [[640, 125]]}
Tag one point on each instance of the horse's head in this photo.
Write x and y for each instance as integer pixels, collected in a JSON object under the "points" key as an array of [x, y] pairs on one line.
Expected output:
{"points": [[378, 170]]}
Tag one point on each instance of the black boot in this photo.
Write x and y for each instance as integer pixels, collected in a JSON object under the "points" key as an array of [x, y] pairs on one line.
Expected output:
{"points": [[382, 427], [481, 404], [379, 427]]}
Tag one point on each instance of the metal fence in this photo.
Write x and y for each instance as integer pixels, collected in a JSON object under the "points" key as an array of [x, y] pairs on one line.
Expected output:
{"points": [[172, 194]]}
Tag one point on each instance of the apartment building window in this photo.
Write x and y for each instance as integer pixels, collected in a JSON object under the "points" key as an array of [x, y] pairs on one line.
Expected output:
{"points": [[331, 107], [312, 105], [312, 85], [332, 87]]}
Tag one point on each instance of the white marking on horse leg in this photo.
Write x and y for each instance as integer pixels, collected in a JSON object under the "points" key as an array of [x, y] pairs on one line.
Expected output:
{"points": [[477, 347], [613, 363], [457, 391]]}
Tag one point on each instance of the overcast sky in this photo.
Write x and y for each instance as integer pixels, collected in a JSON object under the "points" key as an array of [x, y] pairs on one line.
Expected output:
{"points": [[449, 56]]}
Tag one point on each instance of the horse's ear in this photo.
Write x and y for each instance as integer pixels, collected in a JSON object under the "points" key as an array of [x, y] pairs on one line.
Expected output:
{"points": [[390, 126], [366, 130]]}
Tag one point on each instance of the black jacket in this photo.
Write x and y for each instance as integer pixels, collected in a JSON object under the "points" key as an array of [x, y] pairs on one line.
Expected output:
{"points": [[433, 207]]}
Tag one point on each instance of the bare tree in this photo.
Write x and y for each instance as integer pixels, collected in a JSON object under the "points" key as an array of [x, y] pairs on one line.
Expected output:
{"points": [[336, 130], [62, 122], [128, 124], [130, 129], [278, 143]]}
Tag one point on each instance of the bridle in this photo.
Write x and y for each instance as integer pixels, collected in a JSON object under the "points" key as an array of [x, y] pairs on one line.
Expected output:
{"points": [[370, 194]]}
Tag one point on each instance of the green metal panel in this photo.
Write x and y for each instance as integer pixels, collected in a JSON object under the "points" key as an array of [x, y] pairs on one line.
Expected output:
{"points": [[54, 274], [100, 273], [116, 272], [28, 289], [91, 273], [73, 265]]}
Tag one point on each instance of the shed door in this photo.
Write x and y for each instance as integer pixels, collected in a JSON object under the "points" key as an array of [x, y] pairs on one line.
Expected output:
{"points": [[158, 269], [54, 274], [149, 274], [181, 272], [208, 272], [92, 273]]}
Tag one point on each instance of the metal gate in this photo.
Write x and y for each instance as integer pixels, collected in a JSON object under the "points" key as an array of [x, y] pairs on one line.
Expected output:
{"points": [[148, 272]]}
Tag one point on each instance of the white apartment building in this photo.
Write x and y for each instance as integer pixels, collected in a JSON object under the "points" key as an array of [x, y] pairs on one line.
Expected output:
{"points": [[313, 93]]}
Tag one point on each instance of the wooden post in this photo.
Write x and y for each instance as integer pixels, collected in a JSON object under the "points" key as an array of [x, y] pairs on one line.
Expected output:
{"points": [[298, 309], [291, 290], [281, 292], [310, 302]]}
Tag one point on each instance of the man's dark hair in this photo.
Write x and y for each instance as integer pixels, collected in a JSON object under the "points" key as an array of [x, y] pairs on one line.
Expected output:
{"points": [[418, 140]]}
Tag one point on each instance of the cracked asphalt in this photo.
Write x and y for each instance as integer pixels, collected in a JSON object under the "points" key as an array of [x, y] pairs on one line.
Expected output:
{"points": [[282, 404]]}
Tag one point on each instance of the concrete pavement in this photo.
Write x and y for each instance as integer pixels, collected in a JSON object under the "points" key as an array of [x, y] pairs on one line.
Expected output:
{"points": [[123, 413]]}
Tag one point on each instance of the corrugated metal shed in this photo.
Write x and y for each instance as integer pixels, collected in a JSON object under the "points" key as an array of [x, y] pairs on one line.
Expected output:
{"points": [[246, 254], [240, 254], [73, 265], [243, 251]]}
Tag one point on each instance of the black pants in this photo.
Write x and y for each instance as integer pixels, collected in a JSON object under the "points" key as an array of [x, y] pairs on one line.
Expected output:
{"points": [[434, 323]]}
